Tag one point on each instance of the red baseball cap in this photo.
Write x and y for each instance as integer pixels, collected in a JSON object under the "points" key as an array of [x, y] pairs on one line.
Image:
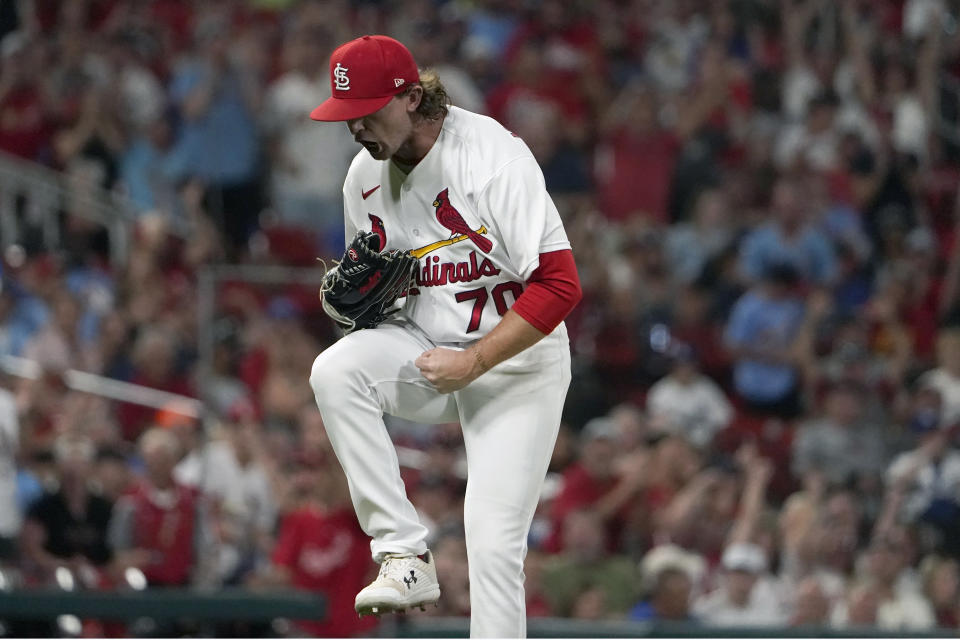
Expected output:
{"points": [[364, 75]]}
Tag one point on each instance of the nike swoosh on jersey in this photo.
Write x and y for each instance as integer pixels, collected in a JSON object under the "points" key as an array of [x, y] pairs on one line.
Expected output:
{"points": [[366, 194]]}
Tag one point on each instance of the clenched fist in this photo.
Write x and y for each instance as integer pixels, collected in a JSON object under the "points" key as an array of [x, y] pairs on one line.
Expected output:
{"points": [[448, 369]]}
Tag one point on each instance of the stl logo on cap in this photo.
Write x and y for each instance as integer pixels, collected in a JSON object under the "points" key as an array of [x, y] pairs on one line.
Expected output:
{"points": [[379, 67], [340, 79]]}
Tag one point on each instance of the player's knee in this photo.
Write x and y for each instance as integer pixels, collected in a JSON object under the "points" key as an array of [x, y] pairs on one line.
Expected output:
{"points": [[494, 566], [327, 379], [495, 554]]}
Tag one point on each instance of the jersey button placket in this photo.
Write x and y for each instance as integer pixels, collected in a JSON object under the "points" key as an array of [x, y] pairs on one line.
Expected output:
{"points": [[404, 194]]}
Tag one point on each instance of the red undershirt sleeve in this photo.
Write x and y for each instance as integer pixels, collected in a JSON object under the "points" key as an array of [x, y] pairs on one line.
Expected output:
{"points": [[552, 291]]}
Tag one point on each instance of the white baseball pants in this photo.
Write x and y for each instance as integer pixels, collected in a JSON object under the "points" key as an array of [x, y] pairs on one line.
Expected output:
{"points": [[510, 417]]}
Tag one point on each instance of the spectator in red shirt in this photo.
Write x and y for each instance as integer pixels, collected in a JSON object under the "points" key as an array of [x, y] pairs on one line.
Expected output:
{"points": [[691, 324], [913, 282], [598, 481], [320, 547], [24, 124], [941, 584], [154, 356], [156, 527], [635, 158], [533, 83]]}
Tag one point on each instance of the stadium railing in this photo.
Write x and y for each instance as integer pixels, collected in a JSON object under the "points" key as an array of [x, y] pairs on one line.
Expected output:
{"points": [[421, 627], [233, 604], [32, 198], [238, 605]]}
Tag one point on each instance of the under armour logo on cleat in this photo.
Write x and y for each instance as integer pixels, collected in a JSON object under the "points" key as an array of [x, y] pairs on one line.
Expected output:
{"points": [[410, 580]]}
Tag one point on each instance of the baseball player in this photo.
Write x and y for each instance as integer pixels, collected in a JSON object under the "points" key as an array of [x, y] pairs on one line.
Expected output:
{"points": [[453, 207]]}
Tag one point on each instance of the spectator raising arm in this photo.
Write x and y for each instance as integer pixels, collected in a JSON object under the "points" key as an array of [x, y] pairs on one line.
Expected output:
{"points": [[950, 295], [680, 517], [634, 470], [758, 472]]}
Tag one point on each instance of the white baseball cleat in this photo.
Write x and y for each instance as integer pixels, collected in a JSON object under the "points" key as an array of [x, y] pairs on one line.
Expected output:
{"points": [[405, 581]]}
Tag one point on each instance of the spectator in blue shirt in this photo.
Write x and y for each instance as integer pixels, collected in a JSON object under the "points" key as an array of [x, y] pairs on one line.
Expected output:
{"points": [[789, 238], [669, 599], [760, 334], [218, 141], [22, 315], [147, 171]]}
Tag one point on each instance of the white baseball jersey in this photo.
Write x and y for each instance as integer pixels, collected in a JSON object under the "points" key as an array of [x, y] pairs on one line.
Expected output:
{"points": [[475, 210]]}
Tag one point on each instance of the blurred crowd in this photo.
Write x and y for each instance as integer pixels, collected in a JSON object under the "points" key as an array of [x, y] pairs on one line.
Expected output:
{"points": [[762, 198]]}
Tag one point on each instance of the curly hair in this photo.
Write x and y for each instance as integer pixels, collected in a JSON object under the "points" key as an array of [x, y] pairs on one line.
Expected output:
{"points": [[435, 103]]}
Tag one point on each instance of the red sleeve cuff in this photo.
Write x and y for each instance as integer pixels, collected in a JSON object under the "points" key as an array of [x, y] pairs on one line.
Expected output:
{"points": [[552, 291]]}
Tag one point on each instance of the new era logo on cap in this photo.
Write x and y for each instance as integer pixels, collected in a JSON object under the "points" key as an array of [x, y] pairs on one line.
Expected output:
{"points": [[364, 75]]}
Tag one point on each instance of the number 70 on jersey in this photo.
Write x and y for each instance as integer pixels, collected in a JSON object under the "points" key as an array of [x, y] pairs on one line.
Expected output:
{"points": [[480, 296]]}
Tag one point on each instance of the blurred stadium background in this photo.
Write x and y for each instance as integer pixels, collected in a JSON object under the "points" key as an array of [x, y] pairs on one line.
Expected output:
{"points": [[761, 435]]}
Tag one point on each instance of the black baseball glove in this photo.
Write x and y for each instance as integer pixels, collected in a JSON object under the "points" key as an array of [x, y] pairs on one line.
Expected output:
{"points": [[359, 292]]}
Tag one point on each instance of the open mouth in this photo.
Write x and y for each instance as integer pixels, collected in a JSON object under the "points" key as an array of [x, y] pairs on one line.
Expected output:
{"points": [[372, 147]]}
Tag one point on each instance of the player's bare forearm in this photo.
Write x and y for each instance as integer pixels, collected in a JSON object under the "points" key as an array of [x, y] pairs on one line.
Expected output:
{"points": [[449, 370], [512, 335]]}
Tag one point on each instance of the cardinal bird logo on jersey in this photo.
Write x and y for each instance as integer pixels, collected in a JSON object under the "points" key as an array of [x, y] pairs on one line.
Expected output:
{"points": [[433, 272], [376, 225], [449, 217]]}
